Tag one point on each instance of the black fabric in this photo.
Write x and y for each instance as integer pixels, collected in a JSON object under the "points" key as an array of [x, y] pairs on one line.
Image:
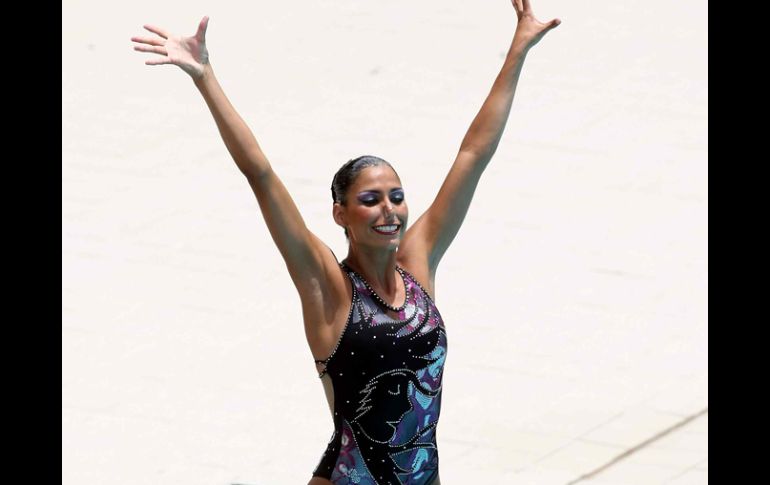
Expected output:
{"points": [[386, 372]]}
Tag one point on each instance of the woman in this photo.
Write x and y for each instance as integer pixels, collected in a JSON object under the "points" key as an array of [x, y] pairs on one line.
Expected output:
{"points": [[371, 320]]}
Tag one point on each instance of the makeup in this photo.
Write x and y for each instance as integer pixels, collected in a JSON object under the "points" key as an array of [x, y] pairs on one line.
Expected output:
{"points": [[370, 197]]}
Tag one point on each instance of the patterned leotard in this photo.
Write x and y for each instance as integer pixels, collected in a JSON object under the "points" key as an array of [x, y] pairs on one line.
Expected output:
{"points": [[386, 375]]}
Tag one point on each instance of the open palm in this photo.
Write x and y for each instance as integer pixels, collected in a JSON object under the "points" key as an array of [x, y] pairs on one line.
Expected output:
{"points": [[189, 53], [530, 30]]}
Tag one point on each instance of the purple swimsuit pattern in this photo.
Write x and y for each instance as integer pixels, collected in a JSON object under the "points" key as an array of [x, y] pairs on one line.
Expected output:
{"points": [[386, 373]]}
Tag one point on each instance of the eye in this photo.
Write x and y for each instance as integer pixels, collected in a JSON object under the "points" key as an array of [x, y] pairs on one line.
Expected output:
{"points": [[397, 392], [370, 200], [397, 197]]}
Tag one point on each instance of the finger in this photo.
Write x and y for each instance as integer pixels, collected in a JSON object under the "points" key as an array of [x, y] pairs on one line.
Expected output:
{"points": [[157, 62], [157, 30], [201, 34], [147, 40], [153, 49], [527, 7], [516, 5]]}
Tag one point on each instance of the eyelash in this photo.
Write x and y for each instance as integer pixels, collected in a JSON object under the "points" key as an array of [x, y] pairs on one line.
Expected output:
{"points": [[399, 199]]}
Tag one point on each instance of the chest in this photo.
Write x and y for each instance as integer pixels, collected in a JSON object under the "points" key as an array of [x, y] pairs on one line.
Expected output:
{"points": [[377, 342]]}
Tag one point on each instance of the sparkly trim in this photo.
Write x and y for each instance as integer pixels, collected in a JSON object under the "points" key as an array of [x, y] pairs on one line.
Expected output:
{"points": [[366, 400], [406, 457], [355, 441], [421, 324], [411, 277], [377, 297], [347, 322]]}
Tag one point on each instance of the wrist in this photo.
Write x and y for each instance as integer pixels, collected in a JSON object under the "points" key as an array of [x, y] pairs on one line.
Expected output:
{"points": [[204, 75], [516, 53], [519, 47]]}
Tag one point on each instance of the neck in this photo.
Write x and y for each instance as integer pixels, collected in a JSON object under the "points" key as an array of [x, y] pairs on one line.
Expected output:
{"points": [[378, 267]]}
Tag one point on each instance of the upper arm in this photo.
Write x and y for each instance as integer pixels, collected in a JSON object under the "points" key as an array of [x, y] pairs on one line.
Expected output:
{"points": [[435, 230], [307, 257]]}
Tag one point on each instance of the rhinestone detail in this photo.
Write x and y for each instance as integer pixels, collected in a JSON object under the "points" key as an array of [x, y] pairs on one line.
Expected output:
{"points": [[377, 297]]}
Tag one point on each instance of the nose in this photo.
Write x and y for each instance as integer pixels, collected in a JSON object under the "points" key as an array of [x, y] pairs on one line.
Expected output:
{"points": [[387, 208]]}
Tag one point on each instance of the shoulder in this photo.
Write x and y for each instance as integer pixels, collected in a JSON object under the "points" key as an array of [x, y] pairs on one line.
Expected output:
{"points": [[324, 295], [417, 265], [414, 255]]}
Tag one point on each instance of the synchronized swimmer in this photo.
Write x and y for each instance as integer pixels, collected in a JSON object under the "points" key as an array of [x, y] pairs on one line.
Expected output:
{"points": [[371, 321]]}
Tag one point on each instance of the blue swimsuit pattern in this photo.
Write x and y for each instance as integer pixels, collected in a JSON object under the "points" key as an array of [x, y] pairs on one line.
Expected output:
{"points": [[386, 372]]}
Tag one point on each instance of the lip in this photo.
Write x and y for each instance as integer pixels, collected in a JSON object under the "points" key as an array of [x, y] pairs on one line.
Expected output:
{"points": [[398, 229]]}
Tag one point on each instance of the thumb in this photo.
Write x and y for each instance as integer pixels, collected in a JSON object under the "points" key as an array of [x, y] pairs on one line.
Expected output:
{"points": [[553, 24], [201, 33]]}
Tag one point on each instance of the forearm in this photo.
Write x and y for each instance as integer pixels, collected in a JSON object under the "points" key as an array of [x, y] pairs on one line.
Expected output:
{"points": [[238, 138], [487, 127]]}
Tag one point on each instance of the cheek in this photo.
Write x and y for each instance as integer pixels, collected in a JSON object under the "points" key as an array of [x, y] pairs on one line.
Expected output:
{"points": [[364, 215]]}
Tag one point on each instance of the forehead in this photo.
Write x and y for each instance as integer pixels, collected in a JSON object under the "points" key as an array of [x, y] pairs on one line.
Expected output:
{"points": [[376, 177]]}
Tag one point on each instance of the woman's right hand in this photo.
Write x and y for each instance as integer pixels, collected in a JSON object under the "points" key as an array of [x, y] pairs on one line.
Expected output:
{"points": [[189, 53]]}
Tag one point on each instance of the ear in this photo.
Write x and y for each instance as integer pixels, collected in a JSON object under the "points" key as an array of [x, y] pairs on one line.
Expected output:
{"points": [[338, 213]]}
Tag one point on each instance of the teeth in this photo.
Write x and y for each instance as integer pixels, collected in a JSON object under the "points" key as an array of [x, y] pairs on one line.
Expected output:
{"points": [[386, 228]]}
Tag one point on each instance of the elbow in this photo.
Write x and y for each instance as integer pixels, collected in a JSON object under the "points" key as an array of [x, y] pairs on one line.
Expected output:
{"points": [[254, 170], [255, 174], [480, 154], [480, 148]]}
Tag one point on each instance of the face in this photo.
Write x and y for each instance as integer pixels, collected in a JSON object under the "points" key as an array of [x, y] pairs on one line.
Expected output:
{"points": [[388, 402], [376, 198]]}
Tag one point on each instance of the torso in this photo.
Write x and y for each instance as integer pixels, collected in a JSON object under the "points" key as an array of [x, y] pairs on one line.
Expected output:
{"points": [[325, 315], [393, 423]]}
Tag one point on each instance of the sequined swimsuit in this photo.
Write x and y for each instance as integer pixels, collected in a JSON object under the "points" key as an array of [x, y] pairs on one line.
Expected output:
{"points": [[386, 375]]}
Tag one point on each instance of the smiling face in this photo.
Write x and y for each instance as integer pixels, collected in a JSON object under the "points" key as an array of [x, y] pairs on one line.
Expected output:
{"points": [[374, 199], [384, 402]]}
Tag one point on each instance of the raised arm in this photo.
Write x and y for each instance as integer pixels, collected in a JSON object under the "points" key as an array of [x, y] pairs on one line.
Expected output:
{"points": [[306, 256], [434, 231], [191, 55]]}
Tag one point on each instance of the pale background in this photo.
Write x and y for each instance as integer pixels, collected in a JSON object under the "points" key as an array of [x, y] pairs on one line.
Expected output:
{"points": [[574, 295]]}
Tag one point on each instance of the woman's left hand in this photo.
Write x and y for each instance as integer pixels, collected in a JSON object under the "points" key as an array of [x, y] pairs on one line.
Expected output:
{"points": [[529, 30]]}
